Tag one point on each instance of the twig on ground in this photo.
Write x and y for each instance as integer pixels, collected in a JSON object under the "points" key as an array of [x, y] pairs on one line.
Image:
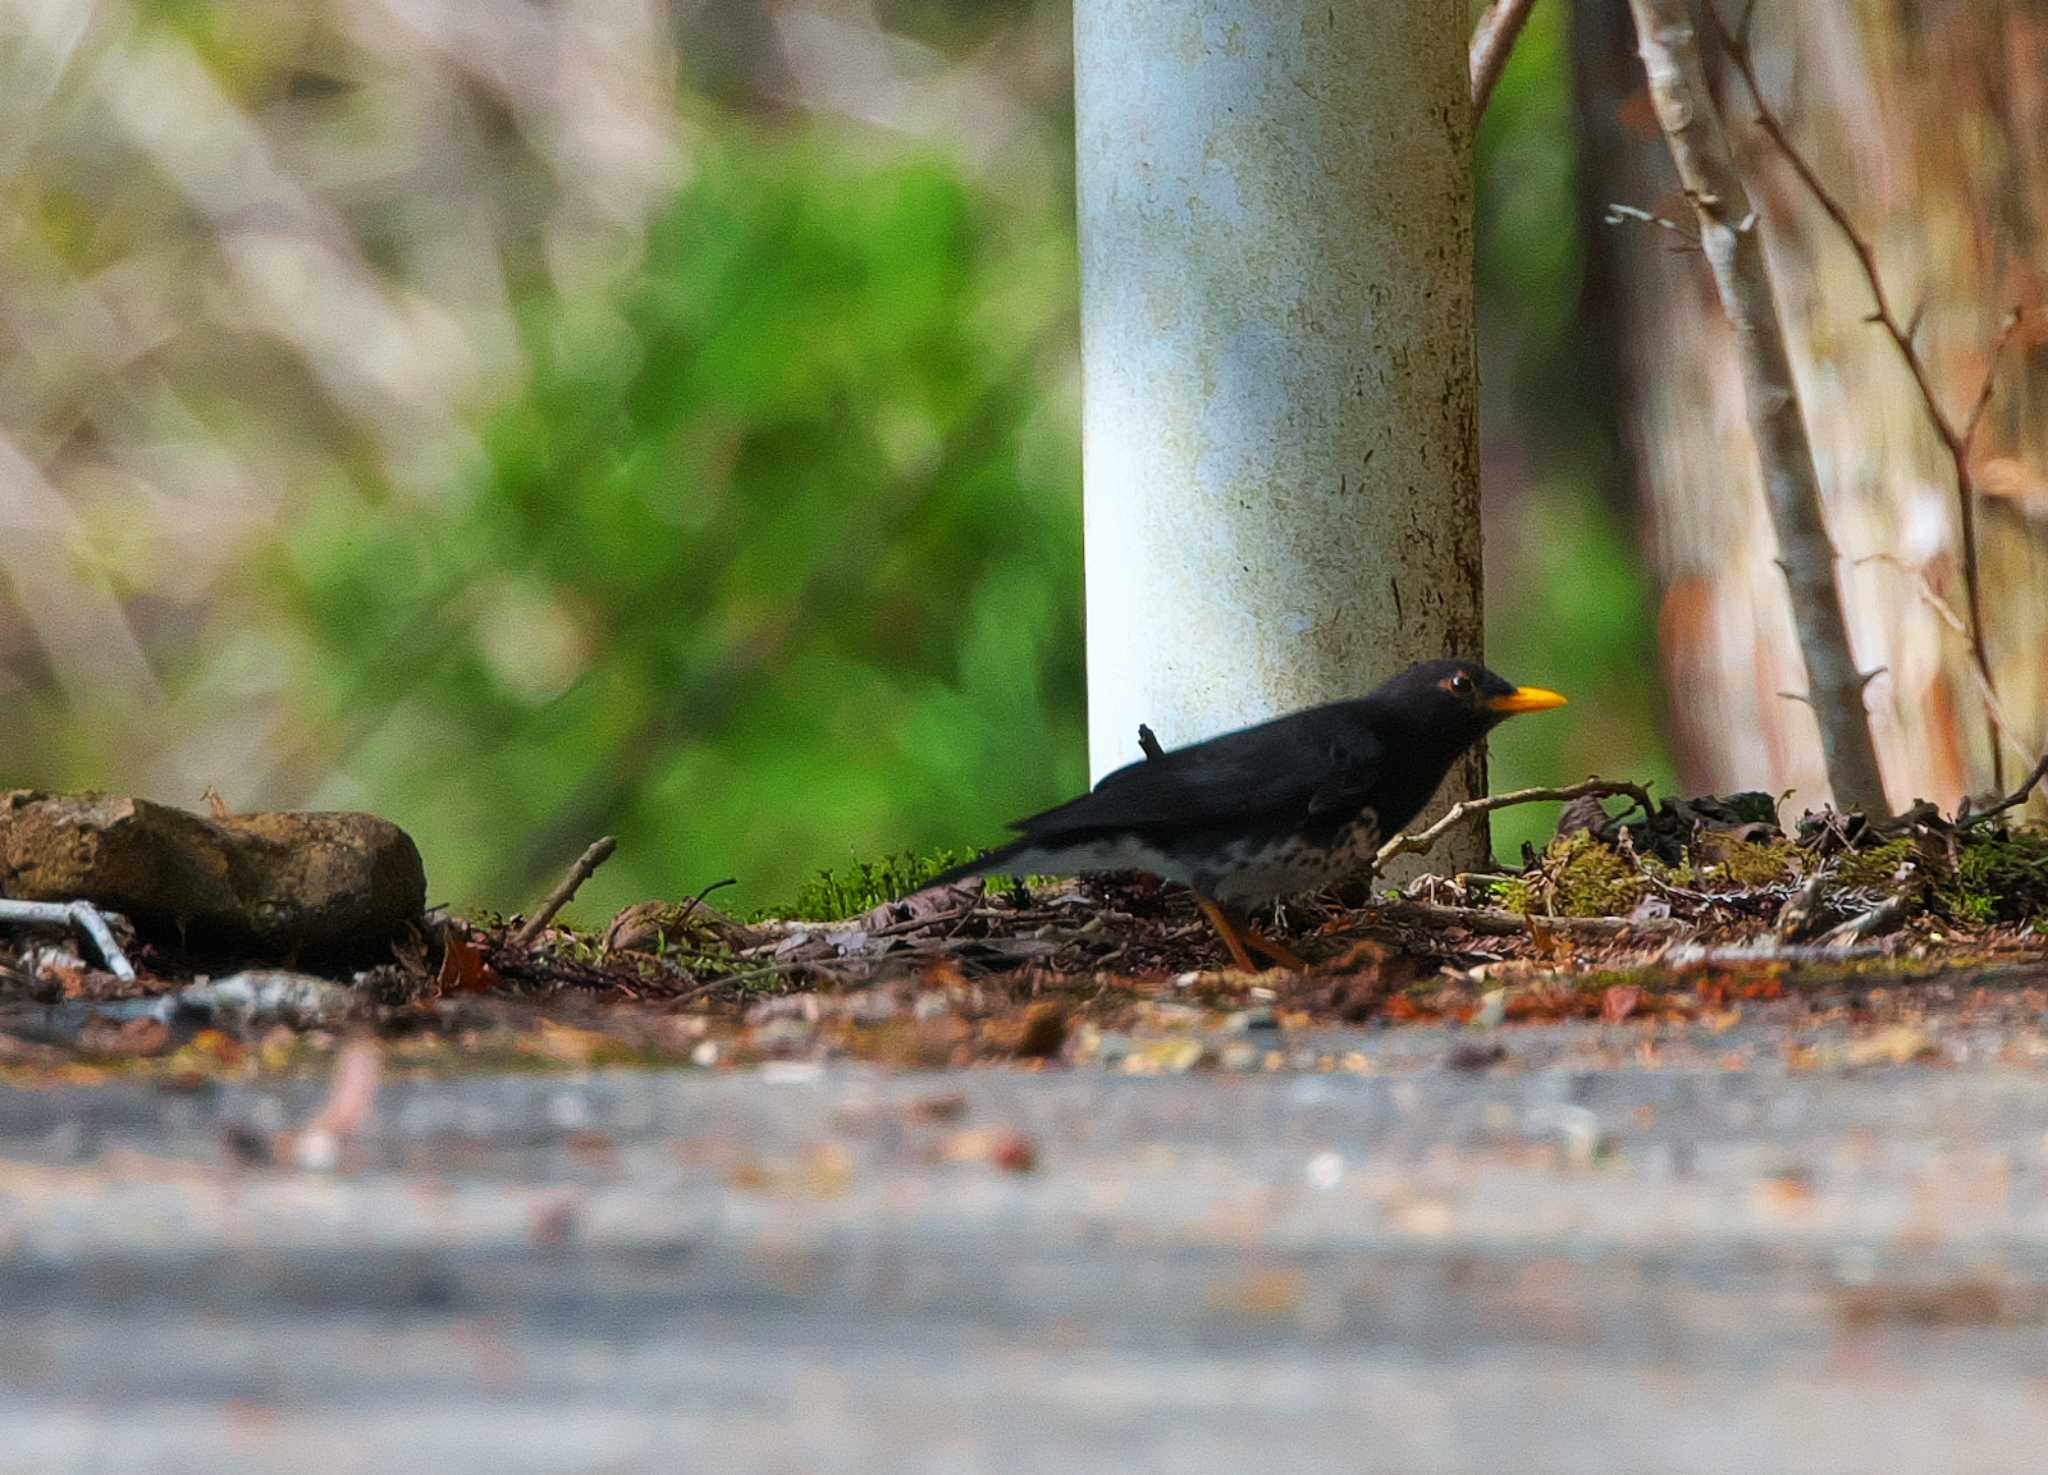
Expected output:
{"points": [[2013, 800], [918, 924], [1734, 250], [1498, 922], [1464, 809], [1493, 40], [80, 914], [563, 894], [1955, 439], [690, 906]]}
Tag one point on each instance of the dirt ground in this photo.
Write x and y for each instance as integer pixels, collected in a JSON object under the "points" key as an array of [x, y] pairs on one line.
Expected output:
{"points": [[1726, 1161]]}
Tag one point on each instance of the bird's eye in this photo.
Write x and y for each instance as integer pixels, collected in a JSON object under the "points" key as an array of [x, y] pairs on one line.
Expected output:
{"points": [[1461, 684]]}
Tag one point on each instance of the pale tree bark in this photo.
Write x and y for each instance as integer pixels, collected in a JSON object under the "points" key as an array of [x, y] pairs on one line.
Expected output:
{"points": [[1277, 336], [1924, 120], [1734, 250]]}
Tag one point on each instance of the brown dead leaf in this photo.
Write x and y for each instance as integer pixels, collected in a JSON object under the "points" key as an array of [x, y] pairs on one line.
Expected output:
{"points": [[568, 1044], [945, 1106], [824, 1169], [1619, 1002], [1950, 1303], [1788, 1195], [127, 1037], [1044, 1032], [464, 968], [1899, 1045], [934, 904], [1263, 1294], [1005, 1148]]}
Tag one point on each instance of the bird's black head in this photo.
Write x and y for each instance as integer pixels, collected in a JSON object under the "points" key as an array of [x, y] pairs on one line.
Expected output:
{"points": [[1450, 705]]}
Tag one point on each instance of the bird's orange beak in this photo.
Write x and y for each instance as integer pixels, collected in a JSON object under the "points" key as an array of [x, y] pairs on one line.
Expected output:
{"points": [[1525, 699]]}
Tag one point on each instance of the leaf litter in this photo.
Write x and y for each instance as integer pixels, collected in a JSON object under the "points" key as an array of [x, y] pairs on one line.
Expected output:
{"points": [[1687, 917]]}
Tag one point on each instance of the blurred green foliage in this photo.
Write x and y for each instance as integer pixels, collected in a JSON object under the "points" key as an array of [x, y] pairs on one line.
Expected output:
{"points": [[769, 554], [1568, 598], [776, 559]]}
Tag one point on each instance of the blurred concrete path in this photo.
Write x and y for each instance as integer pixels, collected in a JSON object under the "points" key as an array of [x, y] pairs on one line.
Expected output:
{"points": [[1590, 1257]]}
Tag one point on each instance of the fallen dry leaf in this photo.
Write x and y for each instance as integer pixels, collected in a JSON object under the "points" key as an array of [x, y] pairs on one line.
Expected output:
{"points": [[464, 968], [1000, 1147]]}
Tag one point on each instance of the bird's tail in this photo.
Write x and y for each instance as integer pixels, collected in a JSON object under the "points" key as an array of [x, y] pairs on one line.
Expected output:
{"points": [[996, 860]]}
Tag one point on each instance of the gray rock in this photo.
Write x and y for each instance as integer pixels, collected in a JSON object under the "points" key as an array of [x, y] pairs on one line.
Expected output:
{"points": [[263, 885]]}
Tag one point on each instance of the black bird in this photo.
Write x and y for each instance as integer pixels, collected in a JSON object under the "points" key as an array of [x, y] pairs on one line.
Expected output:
{"points": [[1276, 809]]}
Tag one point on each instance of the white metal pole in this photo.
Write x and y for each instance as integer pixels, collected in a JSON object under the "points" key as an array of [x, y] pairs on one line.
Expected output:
{"points": [[1277, 343]]}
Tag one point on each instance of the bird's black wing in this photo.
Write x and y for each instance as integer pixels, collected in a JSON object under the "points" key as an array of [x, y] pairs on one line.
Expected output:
{"points": [[1306, 764]]}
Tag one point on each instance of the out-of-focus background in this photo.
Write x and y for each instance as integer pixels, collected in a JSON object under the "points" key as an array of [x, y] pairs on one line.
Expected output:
{"points": [[538, 420]]}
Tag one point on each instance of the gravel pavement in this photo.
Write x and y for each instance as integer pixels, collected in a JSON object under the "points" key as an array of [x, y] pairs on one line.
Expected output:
{"points": [[1587, 1257]]}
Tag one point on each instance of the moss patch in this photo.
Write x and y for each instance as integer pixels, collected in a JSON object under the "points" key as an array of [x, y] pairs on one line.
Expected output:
{"points": [[1874, 869], [1577, 876], [833, 896], [1997, 878], [1752, 862]]}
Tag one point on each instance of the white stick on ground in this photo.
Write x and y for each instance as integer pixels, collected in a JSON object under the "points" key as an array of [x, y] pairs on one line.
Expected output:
{"points": [[80, 914]]}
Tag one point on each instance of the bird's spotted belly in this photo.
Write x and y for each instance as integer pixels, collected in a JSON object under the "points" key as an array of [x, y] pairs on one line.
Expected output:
{"points": [[1254, 871]]}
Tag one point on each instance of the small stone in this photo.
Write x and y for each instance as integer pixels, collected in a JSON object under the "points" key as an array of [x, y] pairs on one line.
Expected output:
{"points": [[1239, 1056], [271, 884], [1166, 1057], [782, 1034], [1246, 1020]]}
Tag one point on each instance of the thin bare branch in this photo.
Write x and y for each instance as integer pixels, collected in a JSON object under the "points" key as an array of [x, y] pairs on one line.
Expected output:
{"points": [[563, 894], [1946, 613], [1493, 39], [1734, 249], [1955, 439], [2013, 800], [1422, 840], [2010, 327]]}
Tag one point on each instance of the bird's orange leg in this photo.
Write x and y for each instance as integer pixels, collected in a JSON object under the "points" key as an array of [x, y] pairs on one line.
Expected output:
{"points": [[1228, 931], [1285, 956], [1243, 940]]}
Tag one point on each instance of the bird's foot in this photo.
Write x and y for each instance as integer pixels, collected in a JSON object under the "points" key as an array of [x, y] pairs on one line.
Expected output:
{"points": [[1279, 952], [1243, 940]]}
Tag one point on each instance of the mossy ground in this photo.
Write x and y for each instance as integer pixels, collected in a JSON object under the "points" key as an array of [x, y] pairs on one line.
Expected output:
{"points": [[1998, 877], [1978, 877], [836, 895]]}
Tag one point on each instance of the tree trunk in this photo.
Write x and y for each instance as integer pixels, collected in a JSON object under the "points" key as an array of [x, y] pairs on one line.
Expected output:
{"points": [[1925, 119], [1277, 340]]}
